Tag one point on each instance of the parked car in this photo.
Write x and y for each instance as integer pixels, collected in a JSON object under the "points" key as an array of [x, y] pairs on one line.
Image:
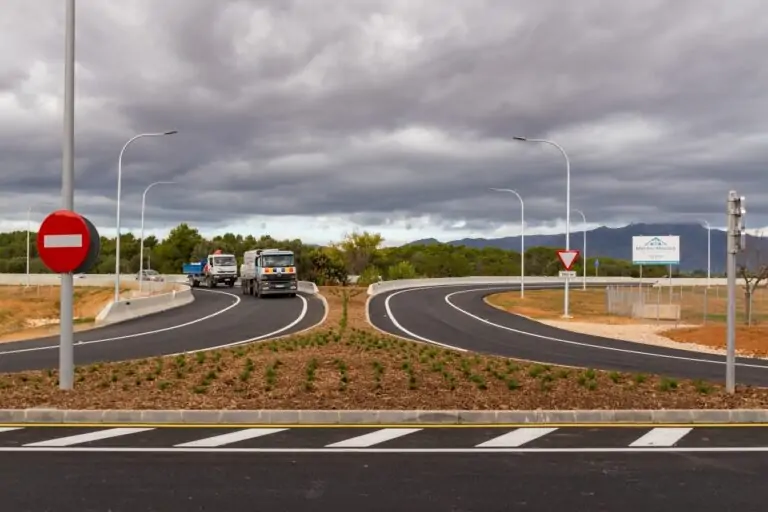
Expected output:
{"points": [[150, 275]]}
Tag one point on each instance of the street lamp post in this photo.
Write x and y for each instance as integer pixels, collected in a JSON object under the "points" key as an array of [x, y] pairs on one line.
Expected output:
{"points": [[141, 246], [522, 237], [567, 208], [584, 251], [709, 251], [119, 185]]}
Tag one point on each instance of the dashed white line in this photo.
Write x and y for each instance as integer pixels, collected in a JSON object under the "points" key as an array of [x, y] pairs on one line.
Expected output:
{"points": [[231, 437], [374, 438], [662, 437], [85, 438], [517, 437]]}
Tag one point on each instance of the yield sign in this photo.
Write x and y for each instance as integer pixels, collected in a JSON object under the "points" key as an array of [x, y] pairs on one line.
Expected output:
{"points": [[568, 258]]}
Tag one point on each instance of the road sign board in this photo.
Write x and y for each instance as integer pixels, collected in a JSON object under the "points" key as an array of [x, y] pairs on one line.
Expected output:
{"points": [[67, 242], [567, 273], [568, 258], [597, 263]]}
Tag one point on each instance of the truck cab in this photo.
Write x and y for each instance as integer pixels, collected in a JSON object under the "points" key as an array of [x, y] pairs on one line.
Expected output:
{"points": [[269, 272], [221, 268]]}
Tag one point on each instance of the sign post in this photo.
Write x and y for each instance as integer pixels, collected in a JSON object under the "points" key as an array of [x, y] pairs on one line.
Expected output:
{"points": [[597, 265], [67, 243], [567, 258]]}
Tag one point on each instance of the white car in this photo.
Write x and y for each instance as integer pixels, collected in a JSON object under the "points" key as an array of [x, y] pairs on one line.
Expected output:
{"points": [[150, 275]]}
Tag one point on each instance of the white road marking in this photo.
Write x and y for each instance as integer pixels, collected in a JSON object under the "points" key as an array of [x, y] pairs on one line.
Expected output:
{"points": [[517, 437], [662, 437], [406, 331], [10, 429], [302, 314], [136, 334], [62, 241], [589, 345], [91, 436], [404, 451], [231, 437], [373, 438]]}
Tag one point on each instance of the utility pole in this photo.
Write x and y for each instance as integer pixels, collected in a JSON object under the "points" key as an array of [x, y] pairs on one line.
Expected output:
{"points": [[736, 243]]}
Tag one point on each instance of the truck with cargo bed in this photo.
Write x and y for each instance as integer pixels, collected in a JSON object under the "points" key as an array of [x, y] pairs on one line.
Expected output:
{"points": [[212, 270], [269, 272]]}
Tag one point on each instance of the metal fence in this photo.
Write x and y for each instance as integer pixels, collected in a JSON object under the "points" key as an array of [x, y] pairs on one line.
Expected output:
{"points": [[685, 304]]}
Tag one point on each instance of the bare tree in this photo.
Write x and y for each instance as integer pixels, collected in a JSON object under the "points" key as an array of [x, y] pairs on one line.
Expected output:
{"points": [[753, 269]]}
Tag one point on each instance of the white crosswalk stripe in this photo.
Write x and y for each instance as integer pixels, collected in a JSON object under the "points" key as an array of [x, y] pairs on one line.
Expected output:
{"points": [[90, 436], [662, 437], [374, 438], [229, 438], [516, 438]]}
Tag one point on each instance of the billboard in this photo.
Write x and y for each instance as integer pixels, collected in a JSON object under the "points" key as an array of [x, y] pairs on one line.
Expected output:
{"points": [[656, 250]]}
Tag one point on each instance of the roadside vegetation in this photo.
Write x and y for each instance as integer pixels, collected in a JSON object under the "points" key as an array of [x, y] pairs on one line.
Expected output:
{"points": [[344, 364]]}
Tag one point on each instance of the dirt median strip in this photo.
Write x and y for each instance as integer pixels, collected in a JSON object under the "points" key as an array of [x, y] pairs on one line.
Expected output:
{"points": [[346, 365]]}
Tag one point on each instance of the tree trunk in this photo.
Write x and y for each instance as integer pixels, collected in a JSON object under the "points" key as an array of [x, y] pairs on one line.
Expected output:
{"points": [[747, 304]]}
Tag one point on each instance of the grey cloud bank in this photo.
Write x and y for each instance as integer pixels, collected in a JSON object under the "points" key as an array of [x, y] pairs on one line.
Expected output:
{"points": [[375, 110]]}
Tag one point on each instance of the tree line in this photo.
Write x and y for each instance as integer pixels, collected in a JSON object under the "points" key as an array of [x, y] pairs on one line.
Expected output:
{"points": [[357, 254]]}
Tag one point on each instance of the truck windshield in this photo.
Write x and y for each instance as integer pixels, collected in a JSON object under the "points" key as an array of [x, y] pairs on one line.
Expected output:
{"points": [[224, 261], [277, 260]]}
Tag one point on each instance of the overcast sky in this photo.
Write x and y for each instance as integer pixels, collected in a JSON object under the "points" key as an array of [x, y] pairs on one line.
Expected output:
{"points": [[311, 118]]}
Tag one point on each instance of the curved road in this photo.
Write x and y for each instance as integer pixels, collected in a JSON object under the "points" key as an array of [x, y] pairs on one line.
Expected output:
{"points": [[216, 319], [456, 317]]}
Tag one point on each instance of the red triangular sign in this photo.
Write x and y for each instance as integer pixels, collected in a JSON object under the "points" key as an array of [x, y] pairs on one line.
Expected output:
{"points": [[568, 258]]}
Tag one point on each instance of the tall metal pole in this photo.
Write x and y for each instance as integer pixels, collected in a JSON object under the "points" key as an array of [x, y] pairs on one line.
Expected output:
{"points": [[522, 238], [567, 209], [66, 310], [29, 222], [584, 250], [141, 246], [117, 216], [735, 212]]}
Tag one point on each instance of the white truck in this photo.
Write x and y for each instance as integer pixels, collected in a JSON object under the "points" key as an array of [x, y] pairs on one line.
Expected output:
{"points": [[216, 268], [269, 272]]}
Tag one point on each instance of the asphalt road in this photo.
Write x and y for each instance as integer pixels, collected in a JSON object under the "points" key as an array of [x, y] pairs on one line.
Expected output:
{"points": [[215, 318], [478, 482], [457, 316]]}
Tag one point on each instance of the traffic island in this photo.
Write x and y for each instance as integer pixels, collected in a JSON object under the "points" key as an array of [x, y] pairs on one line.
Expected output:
{"points": [[345, 365]]}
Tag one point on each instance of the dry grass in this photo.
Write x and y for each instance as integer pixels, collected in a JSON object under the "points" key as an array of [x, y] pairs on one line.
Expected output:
{"points": [[28, 312], [584, 305], [345, 365]]}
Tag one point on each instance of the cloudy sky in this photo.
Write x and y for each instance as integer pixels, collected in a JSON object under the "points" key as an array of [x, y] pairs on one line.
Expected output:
{"points": [[309, 118]]}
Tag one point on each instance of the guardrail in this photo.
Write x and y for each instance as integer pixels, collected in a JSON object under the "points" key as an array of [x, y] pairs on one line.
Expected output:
{"points": [[386, 286]]}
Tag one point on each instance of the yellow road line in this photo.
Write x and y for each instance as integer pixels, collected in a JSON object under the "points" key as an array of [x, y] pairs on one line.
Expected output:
{"points": [[378, 425]]}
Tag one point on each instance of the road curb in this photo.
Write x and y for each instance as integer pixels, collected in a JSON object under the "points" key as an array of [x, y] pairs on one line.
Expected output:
{"points": [[382, 417]]}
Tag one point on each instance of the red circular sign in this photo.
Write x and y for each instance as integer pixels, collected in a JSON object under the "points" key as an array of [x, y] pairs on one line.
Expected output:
{"points": [[63, 241]]}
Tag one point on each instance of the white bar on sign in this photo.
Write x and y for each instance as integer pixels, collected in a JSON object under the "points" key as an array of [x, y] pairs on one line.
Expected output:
{"points": [[516, 438], [229, 438], [662, 437], [366, 440], [91, 436], [62, 241]]}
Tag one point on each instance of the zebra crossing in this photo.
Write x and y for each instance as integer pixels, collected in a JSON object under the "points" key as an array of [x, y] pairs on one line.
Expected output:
{"points": [[371, 439]]}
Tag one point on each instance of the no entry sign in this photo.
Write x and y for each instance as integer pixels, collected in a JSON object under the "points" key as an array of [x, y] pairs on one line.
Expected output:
{"points": [[68, 242]]}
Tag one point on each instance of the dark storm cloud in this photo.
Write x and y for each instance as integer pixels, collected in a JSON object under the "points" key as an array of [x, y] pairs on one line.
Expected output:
{"points": [[392, 110]]}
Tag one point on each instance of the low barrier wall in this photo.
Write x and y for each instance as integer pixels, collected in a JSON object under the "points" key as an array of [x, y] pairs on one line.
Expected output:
{"points": [[386, 286], [128, 309]]}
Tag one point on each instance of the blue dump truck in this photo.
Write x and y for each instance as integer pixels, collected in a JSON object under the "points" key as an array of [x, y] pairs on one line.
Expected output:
{"points": [[216, 268]]}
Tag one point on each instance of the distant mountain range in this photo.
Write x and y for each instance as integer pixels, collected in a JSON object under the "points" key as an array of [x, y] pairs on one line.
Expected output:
{"points": [[617, 243]]}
